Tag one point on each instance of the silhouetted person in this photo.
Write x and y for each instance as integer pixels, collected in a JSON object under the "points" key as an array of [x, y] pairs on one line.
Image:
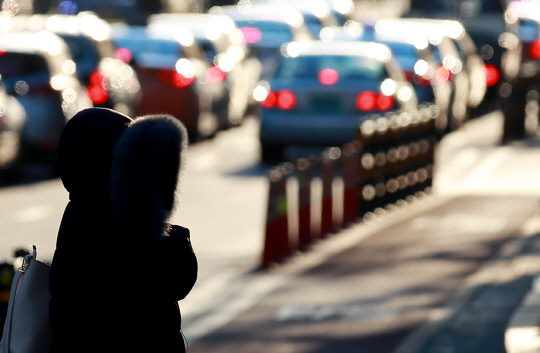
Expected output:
{"points": [[119, 268]]}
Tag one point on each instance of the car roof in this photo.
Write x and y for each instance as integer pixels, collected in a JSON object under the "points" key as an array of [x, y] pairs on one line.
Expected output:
{"points": [[85, 23], [201, 25], [41, 42], [261, 12], [525, 9], [415, 38], [378, 51]]}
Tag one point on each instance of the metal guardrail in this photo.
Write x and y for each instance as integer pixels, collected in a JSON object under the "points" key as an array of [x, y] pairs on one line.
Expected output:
{"points": [[391, 160]]}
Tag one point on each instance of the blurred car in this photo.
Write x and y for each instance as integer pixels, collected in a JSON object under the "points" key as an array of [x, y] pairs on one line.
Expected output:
{"points": [[446, 52], [110, 82], [322, 91], [480, 75], [520, 65], [317, 13], [412, 51], [484, 22], [39, 71], [265, 28], [134, 12], [12, 120], [173, 75], [228, 59]]}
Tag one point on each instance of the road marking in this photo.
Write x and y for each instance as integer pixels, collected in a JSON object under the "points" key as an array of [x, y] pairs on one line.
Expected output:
{"points": [[33, 214]]}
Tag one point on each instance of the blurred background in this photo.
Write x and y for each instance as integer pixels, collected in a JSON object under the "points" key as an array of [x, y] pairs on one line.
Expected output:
{"points": [[425, 107]]}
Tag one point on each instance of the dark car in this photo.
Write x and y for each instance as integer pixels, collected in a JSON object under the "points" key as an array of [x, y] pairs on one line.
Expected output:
{"points": [[227, 57], [12, 120], [37, 69], [173, 75], [110, 82], [484, 22], [453, 67], [266, 28], [521, 66], [321, 92]]}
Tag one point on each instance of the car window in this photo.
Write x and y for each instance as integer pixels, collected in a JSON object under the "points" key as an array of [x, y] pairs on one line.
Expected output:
{"points": [[347, 67], [265, 31], [208, 49], [528, 30], [313, 23], [31, 68], [138, 46], [405, 53], [84, 53]]}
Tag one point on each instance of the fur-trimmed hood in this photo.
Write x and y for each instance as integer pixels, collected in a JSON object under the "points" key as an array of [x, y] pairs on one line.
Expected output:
{"points": [[146, 171], [131, 167]]}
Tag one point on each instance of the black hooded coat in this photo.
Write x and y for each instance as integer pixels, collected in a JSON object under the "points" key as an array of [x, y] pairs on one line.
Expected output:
{"points": [[119, 269]]}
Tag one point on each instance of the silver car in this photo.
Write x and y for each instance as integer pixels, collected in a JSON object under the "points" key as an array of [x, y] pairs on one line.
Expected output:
{"points": [[39, 71], [322, 91]]}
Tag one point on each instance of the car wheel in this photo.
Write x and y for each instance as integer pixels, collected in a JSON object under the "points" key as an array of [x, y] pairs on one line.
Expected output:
{"points": [[271, 153]]}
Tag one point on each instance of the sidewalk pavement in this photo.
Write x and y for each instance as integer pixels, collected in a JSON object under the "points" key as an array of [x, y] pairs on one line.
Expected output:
{"points": [[421, 279]]}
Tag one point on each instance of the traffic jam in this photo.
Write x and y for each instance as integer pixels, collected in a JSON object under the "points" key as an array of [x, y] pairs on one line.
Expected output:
{"points": [[310, 72]]}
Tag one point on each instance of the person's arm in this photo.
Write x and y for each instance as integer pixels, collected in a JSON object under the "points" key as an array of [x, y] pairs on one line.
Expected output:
{"points": [[178, 263]]}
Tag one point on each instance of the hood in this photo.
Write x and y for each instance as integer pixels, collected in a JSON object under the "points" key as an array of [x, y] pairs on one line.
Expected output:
{"points": [[85, 152], [146, 171], [128, 168]]}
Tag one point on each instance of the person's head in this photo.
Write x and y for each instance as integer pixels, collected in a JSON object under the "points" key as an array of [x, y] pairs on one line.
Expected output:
{"points": [[106, 158], [85, 151]]}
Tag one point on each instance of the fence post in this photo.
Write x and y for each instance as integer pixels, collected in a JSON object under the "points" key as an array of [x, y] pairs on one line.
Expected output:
{"points": [[351, 182], [304, 174], [328, 165], [276, 243]]}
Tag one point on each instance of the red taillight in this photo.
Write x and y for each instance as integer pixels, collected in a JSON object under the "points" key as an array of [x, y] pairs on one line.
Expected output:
{"points": [[270, 101], [123, 54], [98, 79], [284, 99], [97, 90], [328, 77], [174, 78], [417, 79], [492, 74], [384, 102], [97, 94], [180, 81], [535, 49], [442, 74], [367, 101], [215, 74]]}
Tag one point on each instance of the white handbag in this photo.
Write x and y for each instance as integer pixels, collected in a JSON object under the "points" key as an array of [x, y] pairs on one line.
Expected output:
{"points": [[27, 328]]}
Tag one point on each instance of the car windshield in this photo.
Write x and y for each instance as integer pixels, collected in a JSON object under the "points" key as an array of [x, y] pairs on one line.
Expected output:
{"points": [[265, 32], [347, 67], [31, 68], [84, 53], [404, 53], [152, 52]]}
